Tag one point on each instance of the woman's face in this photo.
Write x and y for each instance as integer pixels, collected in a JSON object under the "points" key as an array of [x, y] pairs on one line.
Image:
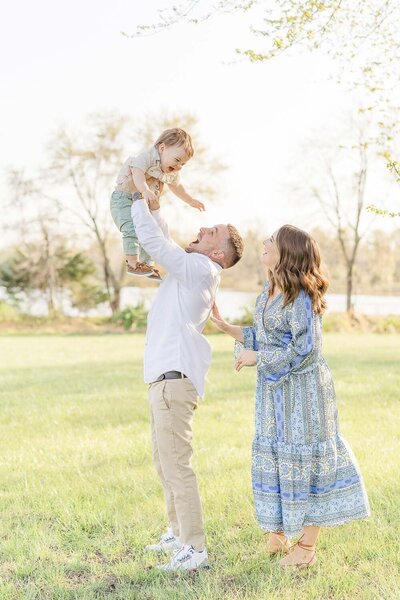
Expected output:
{"points": [[270, 255]]}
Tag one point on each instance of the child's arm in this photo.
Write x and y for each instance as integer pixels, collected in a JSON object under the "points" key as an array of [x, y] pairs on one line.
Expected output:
{"points": [[139, 179], [182, 194]]}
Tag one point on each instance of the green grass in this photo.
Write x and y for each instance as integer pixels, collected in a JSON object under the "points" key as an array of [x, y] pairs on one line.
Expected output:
{"points": [[80, 498]]}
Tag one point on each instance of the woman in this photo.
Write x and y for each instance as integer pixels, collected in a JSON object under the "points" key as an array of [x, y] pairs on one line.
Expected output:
{"points": [[304, 473]]}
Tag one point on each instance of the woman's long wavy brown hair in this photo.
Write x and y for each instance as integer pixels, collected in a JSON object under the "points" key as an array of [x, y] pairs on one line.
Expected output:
{"points": [[299, 267]]}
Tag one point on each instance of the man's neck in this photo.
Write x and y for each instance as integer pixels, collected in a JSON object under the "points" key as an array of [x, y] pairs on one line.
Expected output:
{"points": [[195, 251]]}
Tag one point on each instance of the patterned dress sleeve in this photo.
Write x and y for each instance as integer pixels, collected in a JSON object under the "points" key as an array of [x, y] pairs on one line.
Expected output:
{"points": [[249, 341], [249, 338], [297, 343]]}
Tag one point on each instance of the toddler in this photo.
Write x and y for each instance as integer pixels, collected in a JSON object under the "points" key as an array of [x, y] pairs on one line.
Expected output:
{"points": [[146, 174]]}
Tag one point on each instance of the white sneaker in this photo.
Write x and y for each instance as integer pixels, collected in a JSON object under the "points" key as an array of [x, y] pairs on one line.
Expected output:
{"points": [[168, 542], [186, 559]]}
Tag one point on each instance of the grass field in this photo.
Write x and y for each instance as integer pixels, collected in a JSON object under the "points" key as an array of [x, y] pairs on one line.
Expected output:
{"points": [[79, 497]]}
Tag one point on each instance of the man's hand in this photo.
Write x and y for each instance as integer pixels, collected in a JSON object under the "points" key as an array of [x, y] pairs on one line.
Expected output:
{"points": [[247, 358], [150, 196], [197, 204], [154, 204]]}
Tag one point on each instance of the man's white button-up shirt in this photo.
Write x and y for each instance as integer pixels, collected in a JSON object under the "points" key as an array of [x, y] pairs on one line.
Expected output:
{"points": [[180, 310]]}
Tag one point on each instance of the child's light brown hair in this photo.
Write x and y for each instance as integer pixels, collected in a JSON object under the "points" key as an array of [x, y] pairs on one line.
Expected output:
{"points": [[176, 137]]}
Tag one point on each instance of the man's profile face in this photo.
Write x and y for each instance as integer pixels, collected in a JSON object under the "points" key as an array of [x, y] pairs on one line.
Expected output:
{"points": [[210, 241]]}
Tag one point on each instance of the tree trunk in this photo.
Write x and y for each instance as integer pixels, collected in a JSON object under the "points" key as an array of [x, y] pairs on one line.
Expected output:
{"points": [[112, 284], [349, 290], [50, 280], [50, 302], [115, 300]]}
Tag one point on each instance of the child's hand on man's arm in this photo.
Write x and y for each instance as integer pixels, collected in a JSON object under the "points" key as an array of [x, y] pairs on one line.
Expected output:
{"points": [[139, 179], [150, 196]]}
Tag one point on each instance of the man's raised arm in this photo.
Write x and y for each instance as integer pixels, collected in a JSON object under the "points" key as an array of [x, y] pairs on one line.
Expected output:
{"points": [[164, 250]]}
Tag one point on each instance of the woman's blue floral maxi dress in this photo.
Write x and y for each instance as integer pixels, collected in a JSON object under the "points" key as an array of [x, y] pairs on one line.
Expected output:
{"points": [[303, 471]]}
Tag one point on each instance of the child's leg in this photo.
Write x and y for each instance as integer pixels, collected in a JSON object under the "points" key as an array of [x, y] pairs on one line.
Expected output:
{"points": [[130, 241], [131, 260], [121, 205]]}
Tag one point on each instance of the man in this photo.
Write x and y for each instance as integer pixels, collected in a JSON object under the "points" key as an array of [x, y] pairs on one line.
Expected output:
{"points": [[176, 360]]}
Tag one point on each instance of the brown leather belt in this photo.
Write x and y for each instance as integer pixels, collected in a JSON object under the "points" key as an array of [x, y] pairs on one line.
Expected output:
{"points": [[171, 375]]}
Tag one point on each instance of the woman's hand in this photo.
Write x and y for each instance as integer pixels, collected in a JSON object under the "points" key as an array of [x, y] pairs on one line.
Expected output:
{"points": [[233, 330], [247, 358], [216, 318]]}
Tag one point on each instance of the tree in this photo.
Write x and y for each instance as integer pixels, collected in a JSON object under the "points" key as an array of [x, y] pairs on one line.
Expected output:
{"points": [[338, 181], [50, 267], [361, 36], [45, 260], [202, 171], [339, 28], [88, 164], [249, 273], [394, 168], [83, 166], [80, 172]]}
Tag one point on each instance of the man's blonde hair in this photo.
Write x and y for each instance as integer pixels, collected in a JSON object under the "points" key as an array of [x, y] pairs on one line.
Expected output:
{"points": [[234, 247], [176, 137]]}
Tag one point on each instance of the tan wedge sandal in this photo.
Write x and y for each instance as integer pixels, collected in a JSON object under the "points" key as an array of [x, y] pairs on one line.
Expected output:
{"points": [[287, 562], [277, 544]]}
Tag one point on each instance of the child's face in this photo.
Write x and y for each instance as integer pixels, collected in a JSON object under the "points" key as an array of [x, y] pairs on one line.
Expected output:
{"points": [[173, 158]]}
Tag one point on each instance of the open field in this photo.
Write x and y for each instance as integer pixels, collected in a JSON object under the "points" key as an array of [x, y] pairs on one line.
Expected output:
{"points": [[79, 497]]}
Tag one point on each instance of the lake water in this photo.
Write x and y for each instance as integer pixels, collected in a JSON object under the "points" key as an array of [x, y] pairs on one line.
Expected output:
{"points": [[231, 303]]}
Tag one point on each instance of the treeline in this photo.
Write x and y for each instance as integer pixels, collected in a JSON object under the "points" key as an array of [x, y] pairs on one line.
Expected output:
{"points": [[65, 275], [59, 214], [377, 267], [67, 250]]}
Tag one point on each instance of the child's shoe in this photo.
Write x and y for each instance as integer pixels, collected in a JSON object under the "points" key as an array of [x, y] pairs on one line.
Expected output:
{"points": [[155, 276], [141, 269]]}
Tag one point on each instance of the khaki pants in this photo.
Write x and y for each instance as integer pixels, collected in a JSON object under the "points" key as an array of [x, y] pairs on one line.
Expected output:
{"points": [[172, 404]]}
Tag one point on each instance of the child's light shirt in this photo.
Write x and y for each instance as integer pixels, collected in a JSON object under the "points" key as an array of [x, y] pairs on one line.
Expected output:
{"points": [[150, 163]]}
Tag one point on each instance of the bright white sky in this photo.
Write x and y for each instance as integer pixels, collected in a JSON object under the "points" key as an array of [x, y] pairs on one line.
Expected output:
{"points": [[63, 60]]}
